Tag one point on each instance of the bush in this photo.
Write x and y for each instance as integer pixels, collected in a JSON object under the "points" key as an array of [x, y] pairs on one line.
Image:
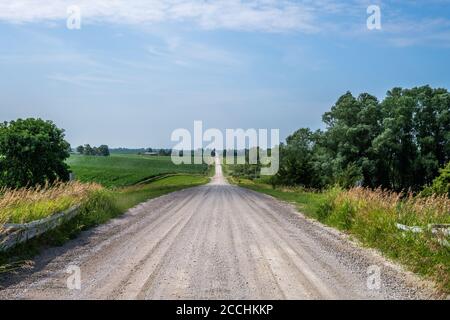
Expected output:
{"points": [[349, 177], [441, 185], [32, 152]]}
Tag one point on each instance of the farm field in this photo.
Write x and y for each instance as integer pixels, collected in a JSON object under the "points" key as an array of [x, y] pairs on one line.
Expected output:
{"points": [[119, 170]]}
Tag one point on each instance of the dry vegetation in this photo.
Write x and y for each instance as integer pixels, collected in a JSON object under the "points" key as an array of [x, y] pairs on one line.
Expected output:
{"points": [[97, 205], [405, 208], [371, 216], [29, 204]]}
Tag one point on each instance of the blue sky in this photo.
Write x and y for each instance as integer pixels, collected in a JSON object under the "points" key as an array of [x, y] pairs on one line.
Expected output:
{"points": [[137, 70]]}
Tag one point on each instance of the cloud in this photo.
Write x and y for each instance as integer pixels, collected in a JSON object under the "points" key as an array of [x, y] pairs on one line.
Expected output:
{"points": [[188, 54], [252, 15], [84, 80], [427, 31], [339, 18], [47, 58]]}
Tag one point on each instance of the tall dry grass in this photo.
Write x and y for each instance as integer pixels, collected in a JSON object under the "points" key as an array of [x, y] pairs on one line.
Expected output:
{"points": [[29, 204], [372, 216], [402, 207]]}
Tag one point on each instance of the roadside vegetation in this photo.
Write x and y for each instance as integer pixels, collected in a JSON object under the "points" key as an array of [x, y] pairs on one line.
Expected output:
{"points": [[97, 205], [371, 217], [29, 204]]}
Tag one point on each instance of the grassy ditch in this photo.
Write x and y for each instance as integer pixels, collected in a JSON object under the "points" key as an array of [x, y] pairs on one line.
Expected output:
{"points": [[371, 217]]}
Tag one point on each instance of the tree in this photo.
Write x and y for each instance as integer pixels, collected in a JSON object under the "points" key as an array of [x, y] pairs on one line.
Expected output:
{"points": [[88, 151], [32, 152], [395, 145], [399, 143], [415, 141], [296, 161], [165, 152], [352, 125], [103, 150], [431, 131]]}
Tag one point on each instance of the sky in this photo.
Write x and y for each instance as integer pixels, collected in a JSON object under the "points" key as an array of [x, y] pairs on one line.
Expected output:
{"points": [[137, 70]]}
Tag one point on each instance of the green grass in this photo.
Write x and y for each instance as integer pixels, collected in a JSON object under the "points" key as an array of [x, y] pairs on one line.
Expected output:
{"points": [[371, 217], [131, 196], [107, 204], [39, 210], [119, 170], [306, 202]]}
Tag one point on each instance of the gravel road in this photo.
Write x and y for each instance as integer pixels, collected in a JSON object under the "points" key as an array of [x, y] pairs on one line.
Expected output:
{"points": [[216, 241]]}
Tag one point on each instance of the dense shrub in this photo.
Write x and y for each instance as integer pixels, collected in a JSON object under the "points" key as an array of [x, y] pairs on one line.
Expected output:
{"points": [[441, 185], [32, 152]]}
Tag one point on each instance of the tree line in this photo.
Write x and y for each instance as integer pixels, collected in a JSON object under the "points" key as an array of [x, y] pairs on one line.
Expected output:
{"points": [[87, 150], [399, 143]]}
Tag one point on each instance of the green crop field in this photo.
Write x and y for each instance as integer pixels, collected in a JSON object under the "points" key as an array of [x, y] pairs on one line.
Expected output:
{"points": [[120, 170]]}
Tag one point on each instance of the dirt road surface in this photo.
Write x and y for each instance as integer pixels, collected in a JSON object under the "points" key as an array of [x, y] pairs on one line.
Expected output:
{"points": [[216, 241]]}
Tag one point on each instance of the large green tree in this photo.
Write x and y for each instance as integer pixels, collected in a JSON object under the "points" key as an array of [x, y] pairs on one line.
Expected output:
{"points": [[415, 140], [399, 143], [299, 160], [32, 152], [352, 124]]}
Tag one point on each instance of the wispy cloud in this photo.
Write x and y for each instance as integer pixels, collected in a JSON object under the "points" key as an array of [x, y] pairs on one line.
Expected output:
{"points": [[38, 58], [335, 17], [427, 31], [84, 80], [187, 54], [261, 15]]}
